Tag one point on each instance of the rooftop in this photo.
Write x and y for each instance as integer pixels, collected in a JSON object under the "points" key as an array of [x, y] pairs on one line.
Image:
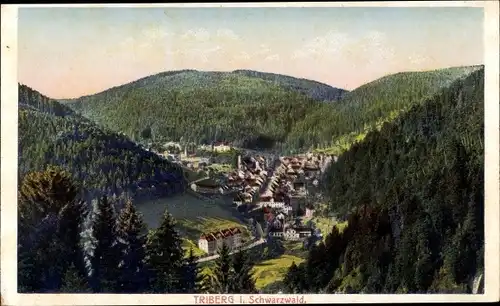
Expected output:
{"points": [[220, 234]]}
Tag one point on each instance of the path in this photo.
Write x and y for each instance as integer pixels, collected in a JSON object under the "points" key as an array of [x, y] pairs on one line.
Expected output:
{"points": [[251, 245], [199, 180]]}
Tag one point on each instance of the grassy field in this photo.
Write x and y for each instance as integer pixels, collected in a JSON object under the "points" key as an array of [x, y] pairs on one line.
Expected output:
{"points": [[193, 228], [325, 224], [266, 272], [187, 245], [273, 270], [193, 216], [221, 168]]}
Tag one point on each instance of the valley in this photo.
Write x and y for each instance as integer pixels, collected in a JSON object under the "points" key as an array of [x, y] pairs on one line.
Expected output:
{"points": [[302, 176]]}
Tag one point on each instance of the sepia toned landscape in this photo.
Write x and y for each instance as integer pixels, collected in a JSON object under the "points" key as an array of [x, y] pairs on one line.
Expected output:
{"points": [[251, 150]]}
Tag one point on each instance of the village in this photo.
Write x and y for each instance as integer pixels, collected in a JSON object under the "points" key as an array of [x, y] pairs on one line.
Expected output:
{"points": [[274, 190]]}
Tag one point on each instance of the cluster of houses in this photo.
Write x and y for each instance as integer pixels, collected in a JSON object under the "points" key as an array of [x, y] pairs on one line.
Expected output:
{"points": [[281, 192], [286, 195], [211, 242], [217, 147], [249, 178], [244, 183]]}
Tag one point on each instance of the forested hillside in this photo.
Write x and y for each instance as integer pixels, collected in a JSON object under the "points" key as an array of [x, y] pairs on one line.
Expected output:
{"points": [[66, 247], [257, 110], [415, 198], [102, 161], [31, 99], [336, 126], [316, 90], [199, 106]]}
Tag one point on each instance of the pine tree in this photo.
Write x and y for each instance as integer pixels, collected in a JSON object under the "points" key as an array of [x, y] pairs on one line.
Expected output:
{"points": [[49, 224], [292, 279], [164, 255], [242, 277], [73, 282], [103, 262], [220, 280], [130, 229], [194, 281]]}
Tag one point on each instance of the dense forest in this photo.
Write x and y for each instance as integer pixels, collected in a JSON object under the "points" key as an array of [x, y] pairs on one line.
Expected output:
{"points": [[367, 107], [104, 162], [201, 107], [66, 246], [257, 110], [413, 194], [316, 90]]}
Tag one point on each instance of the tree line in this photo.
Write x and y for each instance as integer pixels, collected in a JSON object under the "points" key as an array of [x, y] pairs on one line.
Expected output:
{"points": [[67, 246], [413, 196], [255, 110]]}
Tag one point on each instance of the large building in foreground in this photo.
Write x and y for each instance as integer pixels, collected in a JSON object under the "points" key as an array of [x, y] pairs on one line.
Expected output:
{"points": [[211, 242]]}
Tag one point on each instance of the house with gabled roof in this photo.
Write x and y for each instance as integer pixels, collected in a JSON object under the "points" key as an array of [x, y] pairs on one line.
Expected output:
{"points": [[211, 242]]}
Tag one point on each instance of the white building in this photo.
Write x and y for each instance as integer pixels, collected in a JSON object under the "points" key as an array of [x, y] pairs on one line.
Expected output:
{"points": [[291, 233], [221, 148], [272, 204], [211, 242]]}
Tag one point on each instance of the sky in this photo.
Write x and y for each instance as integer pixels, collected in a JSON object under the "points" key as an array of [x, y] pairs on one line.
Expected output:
{"points": [[71, 52]]}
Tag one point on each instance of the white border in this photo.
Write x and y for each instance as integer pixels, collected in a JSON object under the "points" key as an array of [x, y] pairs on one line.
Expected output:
{"points": [[9, 168]]}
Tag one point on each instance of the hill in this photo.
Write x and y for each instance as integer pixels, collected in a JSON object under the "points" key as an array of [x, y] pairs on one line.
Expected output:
{"points": [[315, 90], [335, 127], [105, 162], [257, 110], [31, 99], [414, 199], [240, 107]]}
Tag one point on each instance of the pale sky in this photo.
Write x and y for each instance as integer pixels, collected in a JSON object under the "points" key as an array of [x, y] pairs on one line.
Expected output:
{"points": [[70, 52]]}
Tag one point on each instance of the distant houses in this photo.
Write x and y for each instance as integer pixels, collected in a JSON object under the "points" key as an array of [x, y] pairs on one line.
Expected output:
{"points": [[217, 147], [211, 242], [291, 233], [221, 147], [248, 179], [207, 186]]}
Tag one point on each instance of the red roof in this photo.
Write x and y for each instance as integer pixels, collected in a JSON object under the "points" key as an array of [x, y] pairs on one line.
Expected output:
{"points": [[220, 234]]}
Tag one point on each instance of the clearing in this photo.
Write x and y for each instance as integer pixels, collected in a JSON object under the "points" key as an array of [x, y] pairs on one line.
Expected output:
{"points": [[193, 216], [273, 270]]}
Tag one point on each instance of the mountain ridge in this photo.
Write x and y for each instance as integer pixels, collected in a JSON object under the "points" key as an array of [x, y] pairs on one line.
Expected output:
{"points": [[255, 112], [333, 93]]}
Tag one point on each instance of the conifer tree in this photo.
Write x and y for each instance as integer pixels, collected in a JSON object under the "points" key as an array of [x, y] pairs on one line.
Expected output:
{"points": [[242, 277], [220, 280], [194, 280], [164, 255], [130, 230], [73, 282], [102, 263], [49, 225], [292, 279]]}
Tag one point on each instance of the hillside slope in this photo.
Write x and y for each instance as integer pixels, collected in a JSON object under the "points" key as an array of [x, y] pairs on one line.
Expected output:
{"points": [[336, 126], [313, 89], [31, 99], [200, 106], [254, 109], [416, 197], [105, 162]]}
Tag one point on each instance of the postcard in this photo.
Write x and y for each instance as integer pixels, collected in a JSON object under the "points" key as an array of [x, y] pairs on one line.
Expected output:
{"points": [[250, 153]]}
